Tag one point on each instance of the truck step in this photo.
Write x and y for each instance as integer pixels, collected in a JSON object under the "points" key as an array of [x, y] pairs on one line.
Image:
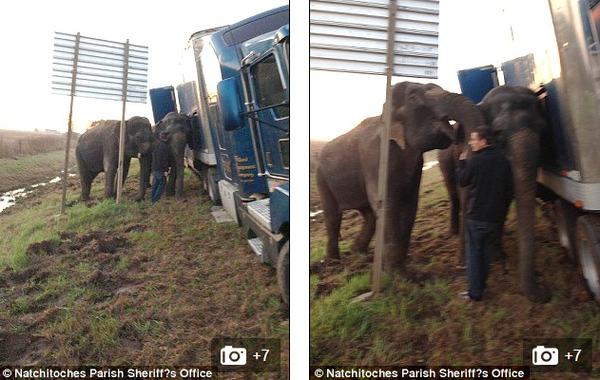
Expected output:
{"points": [[260, 211], [257, 246]]}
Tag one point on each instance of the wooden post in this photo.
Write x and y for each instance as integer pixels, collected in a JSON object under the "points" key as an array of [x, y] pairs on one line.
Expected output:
{"points": [[380, 252], [69, 131], [123, 126]]}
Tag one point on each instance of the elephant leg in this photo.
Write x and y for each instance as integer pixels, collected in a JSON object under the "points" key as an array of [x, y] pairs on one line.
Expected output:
{"points": [[110, 174], [402, 211], [126, 164], [361, 244], [85, 178], [333, 217], [145, 166], [179, 180], [448, 169], [170, 189], [398, 233], [461, 260], [523, 158]]}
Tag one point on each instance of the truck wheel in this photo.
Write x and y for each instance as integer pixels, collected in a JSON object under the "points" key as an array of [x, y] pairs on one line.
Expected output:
{"points": [[566, 216], [588, 236], [283, 272]]}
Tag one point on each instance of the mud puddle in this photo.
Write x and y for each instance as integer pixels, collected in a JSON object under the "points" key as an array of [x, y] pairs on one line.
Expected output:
{"points": [[10, 198]]}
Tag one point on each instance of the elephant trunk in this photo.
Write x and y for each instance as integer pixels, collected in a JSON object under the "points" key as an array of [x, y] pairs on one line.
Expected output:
{"points": [[459, 108], [523, 152]]}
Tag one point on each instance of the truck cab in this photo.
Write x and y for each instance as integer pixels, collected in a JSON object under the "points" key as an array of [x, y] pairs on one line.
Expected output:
{"points": [[236, 92], [259, 104]]}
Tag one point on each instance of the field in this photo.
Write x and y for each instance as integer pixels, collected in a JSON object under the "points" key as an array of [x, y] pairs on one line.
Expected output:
{"points": [[420, 320], [18, 143], [133, 284]]}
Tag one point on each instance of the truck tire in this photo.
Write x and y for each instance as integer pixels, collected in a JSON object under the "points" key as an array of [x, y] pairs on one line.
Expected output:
{"points": [[283, 272], [588, 247], [566, 217]]}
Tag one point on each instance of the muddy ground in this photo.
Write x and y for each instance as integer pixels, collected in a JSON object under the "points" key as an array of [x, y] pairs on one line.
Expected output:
{"points": [[432, 260], [105, 297]]}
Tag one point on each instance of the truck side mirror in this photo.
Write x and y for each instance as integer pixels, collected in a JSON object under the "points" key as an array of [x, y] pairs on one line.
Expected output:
{"points": [[229, 105]]}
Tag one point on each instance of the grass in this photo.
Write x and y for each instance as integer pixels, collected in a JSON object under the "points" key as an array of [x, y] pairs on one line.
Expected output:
{"points": [[129, 284], [20, 143], [420, 320], [28, 170]]}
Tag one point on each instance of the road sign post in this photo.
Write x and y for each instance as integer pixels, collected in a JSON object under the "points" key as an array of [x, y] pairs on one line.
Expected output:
{"points": [[393, 38], [70, 126], [100, 69], [122, 131]]}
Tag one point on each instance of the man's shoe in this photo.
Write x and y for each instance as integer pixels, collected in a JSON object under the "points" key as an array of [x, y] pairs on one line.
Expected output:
{"points": [[464, 296]]}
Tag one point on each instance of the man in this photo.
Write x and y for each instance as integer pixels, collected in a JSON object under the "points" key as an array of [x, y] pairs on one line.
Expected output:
{"points": [[488, 176], [160, 166]]}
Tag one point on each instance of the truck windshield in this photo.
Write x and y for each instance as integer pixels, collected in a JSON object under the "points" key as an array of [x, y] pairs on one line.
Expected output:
{"points": [[269, 88]]}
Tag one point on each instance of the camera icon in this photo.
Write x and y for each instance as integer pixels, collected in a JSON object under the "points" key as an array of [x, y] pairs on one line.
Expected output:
{"points": [[544, 355], [233, 355]]}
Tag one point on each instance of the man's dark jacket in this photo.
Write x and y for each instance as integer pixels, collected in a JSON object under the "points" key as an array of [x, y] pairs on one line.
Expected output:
{"points": [[490, 185], [160, 157]]}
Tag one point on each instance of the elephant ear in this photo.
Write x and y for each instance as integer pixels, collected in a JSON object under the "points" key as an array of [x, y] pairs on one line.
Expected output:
{"points": [[157, 128], [397, 133], [459, 134]]}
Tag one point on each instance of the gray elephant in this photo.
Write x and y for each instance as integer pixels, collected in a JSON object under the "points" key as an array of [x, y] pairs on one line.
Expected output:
{"points": [[180, 134], [515, 115], [347, 174], [98, 151], [448, 159]]}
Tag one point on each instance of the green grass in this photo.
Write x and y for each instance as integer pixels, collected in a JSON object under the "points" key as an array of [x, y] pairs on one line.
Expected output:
{"points": [[29, 170], [178, 280], [421, 321]]}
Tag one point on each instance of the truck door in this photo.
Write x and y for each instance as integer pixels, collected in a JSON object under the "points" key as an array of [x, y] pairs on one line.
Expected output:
{"points": [[269, 78]]}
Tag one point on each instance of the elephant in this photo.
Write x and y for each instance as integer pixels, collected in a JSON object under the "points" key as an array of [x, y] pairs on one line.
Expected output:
{"points": [[98, 151], [347, 173], [179, 127], [447, 160], [518, 123]]}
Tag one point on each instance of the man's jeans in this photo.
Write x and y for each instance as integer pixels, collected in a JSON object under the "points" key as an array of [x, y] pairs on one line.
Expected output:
{"points": [[158, 185], [482, 241]]}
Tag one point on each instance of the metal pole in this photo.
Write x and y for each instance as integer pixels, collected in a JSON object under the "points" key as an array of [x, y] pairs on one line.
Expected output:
{"points": [[380, 251], [122, 134], [69, 131]]}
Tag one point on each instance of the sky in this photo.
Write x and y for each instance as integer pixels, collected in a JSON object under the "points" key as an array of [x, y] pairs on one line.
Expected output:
{"points": [[27, 48], [472, 33]]}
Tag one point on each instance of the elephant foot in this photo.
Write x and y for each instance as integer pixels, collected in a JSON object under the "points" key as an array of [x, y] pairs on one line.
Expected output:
{"points": [[333, 255], [396, 266], [359, 249], [540, 294], [453, 229]]}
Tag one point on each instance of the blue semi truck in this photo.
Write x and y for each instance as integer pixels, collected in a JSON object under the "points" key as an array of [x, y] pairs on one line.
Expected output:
{"points": [[236, 91], [557, 55]]}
